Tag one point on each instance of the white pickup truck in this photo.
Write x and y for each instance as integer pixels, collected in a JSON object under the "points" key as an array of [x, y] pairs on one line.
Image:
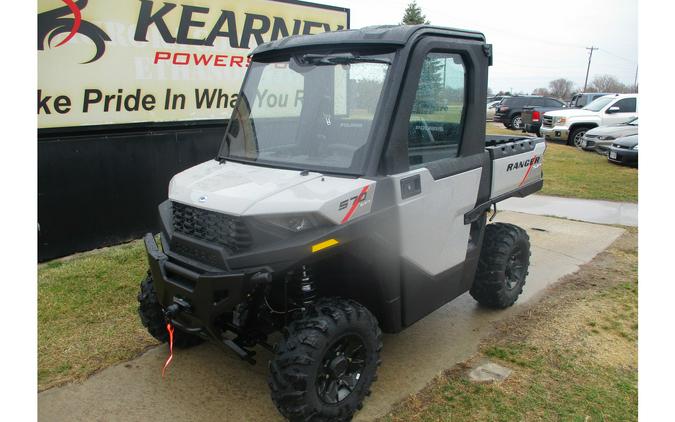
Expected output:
{"points": [[570, 125]]}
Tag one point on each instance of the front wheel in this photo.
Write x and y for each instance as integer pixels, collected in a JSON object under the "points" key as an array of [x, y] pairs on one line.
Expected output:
{"points": [[502, 267], [576, 136], [325, 364]]}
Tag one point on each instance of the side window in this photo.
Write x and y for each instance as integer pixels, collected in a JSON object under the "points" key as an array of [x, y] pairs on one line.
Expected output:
{"points": [[627, 105], [435, 128], [536, 102], [553, 103]]}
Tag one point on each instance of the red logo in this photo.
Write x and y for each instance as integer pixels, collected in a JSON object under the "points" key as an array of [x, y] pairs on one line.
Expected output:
{"points": [[58, 21]]}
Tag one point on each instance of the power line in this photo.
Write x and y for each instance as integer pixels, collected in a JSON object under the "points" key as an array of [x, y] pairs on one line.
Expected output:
{"points": [[588, 69], [619, 57]]}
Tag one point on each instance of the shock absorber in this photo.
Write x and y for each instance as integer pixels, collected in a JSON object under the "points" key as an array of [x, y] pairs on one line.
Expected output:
{"points": [[303, 290]]}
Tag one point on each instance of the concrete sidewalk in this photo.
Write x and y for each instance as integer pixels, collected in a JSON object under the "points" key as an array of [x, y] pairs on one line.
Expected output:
{"points": [[592, 211]]}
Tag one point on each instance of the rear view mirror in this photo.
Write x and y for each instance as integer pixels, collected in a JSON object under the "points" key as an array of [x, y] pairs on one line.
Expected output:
{"points": [[613, 109]]}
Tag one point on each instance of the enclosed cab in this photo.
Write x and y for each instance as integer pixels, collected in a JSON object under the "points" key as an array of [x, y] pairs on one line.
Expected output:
{"points": [[349, 197]]}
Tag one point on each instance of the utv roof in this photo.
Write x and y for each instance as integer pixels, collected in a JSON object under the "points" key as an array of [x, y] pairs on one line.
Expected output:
{"points": [[393, 35]]}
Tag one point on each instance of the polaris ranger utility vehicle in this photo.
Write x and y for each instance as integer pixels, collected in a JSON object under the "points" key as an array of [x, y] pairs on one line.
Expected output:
{"points": [[349, 196]]}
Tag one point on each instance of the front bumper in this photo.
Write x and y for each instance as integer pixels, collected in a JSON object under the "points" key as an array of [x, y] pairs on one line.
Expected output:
{"points": [[588, 144], [622, 155], [555, 133], [201, 297], [601, 146]]}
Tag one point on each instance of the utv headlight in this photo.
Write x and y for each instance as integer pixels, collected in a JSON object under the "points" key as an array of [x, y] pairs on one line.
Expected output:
{"points": [[296, 223], [560, 120], [606, 138]]}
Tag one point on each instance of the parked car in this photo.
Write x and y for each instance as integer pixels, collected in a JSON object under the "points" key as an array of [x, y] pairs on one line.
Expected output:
{"points": [[624, 151], [510, 109], [583, 99], [570, 125], [600, 138], [491, 109], [532, 115]]}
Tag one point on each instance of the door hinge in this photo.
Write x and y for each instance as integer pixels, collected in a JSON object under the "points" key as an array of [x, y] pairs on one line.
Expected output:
{"points": [[487, 50]]}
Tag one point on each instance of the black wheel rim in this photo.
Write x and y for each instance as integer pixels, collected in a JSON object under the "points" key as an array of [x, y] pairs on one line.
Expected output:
{"points": [[341, 369], [515, 269]]}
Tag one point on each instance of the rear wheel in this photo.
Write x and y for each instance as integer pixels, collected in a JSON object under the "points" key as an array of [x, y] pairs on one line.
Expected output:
{"points": [[502, 267], [326, 362], [152, 317], [517, 122]]}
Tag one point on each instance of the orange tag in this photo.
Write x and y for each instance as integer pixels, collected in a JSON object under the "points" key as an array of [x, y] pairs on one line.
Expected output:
{"points": [[169, 328]]}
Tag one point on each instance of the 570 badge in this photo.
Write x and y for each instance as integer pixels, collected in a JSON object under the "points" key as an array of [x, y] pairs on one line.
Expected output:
{"points": [[355, 201]]}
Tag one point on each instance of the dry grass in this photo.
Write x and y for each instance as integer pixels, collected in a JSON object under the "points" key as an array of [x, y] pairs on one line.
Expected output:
{"points": [[493, 128], [574, 355], [87, 316]]}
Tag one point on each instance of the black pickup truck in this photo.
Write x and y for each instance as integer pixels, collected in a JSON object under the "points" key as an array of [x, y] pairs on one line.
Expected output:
{"points": [[509, 112], [531, 116]]}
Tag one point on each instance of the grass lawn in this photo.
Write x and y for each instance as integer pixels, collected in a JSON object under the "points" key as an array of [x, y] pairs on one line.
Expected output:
{"points": [[573, 355], [87, 316], [574, 173]]}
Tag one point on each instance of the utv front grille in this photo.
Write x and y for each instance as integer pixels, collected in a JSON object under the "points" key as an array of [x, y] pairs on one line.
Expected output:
{"points": [[548, 121], [212, 227]]}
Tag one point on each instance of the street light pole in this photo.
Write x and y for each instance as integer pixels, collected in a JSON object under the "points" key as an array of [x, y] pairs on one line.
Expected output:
{"points": [[590, 56]]}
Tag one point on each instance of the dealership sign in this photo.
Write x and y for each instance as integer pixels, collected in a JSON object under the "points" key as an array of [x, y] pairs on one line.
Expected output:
{"points": [[129, 61]]}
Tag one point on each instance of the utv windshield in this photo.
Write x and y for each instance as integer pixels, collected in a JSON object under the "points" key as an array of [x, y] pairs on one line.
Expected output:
{"points": [[307, 112]]}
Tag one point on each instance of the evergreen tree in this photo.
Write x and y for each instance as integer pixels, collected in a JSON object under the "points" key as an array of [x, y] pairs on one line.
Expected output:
{"points": [[413, 15]]}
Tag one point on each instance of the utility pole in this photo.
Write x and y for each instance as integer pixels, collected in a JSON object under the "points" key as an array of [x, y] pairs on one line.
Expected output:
{"points": [[590, 56], [635, 83]]}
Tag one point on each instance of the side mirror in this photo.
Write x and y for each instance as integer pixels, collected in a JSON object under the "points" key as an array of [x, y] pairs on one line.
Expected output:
{"points": [[613, 109]]}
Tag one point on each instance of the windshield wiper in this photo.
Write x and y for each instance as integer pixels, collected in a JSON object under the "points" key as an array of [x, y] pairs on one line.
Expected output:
{"points": [[320, 59]]}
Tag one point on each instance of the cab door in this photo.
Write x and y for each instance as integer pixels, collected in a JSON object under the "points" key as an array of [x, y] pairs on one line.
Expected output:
{"points": [[442, 154], [620, 111]]}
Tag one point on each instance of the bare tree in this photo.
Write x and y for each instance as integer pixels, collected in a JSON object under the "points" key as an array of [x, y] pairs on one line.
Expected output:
{"points": [[561, 88], [608, 83], [541, 91]]}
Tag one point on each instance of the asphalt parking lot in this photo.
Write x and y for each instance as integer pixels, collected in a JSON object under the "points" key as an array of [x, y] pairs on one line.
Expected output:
{"points": [[207, 384]]}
